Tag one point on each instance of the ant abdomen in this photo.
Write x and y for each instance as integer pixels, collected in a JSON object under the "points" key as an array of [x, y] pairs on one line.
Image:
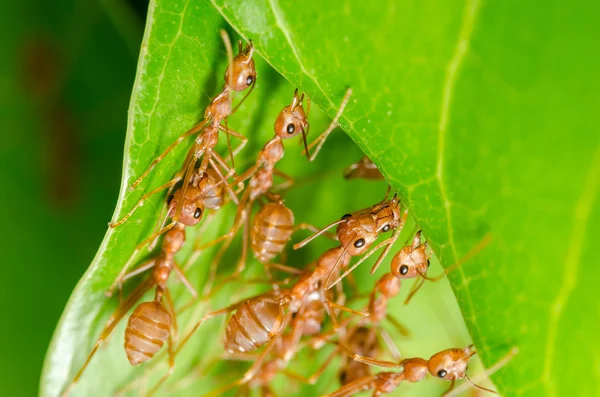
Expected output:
{"points": [[272, 229], [255, 323], [147, 330]]}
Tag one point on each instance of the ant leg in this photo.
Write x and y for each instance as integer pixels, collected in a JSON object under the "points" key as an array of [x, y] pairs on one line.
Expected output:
{"points": [[314, 229], [235, 134], [347, 309], [416, 287], [185, 280], [244, 98], [311, 380], [320, 232], [119, 280], [198, 127], [224, 179], [289, 181], [142, 200], [390, 344], [228, 138], [171, 306], [118, 314], [402, 330], [388, 242], [355, 387], [140, 269], [240, 218], [474, 251], [320, 140], [450, 388], [284, 268], [205, 318], [169, 371], [368, 360]]}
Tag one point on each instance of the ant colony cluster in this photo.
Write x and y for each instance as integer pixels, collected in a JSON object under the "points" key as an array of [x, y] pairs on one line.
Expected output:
{"points": [[306, 310]]}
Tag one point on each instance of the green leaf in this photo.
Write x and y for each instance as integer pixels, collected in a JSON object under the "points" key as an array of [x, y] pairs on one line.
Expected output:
{"points": [[465, 108], [485, 116]]}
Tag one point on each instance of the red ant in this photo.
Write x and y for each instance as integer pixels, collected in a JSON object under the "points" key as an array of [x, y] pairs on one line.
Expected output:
{"points": [[240, 74], [450, 365]]}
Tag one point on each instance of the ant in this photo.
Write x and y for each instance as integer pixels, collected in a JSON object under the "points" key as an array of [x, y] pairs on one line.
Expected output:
{"points": [[273, 225], [240, 74], [206, 191], [260, 320], [358, 231], [363, 338], [363, 169], [306, 322], [413, 261], [150, 323], [450, 365]]}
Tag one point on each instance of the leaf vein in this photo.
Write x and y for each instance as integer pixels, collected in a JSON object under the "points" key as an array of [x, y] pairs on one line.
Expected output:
{"points": [[452, 69], [581, 217]]}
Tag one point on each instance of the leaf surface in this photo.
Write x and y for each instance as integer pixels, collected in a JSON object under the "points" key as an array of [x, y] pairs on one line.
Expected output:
{"points": [[483, 115], [465, 113]]}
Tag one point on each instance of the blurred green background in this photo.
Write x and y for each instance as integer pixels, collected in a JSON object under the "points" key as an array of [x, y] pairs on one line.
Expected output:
{"points": [[65, 77]]}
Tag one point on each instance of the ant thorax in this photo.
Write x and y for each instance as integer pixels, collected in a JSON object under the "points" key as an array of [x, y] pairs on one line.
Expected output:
{"points": [[208, 139], [414, 369], [273, 151], [260, 183], [219, 107], [387, 382]]}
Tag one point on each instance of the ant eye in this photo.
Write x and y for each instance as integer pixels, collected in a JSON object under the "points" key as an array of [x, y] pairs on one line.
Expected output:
{"points": [[386, 228], [359, 243], [442, 373], [291, 128], [346, 216], [249, 80], [198, 213], [403, 269]]}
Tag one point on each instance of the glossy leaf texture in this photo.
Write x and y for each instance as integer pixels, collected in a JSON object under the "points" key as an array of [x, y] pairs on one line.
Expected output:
{"points": [[484, 115], [481, 114]]}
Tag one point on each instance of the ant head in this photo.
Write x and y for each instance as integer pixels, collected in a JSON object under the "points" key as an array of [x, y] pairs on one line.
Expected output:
{"points": [[388, 285], [192, 209], [409, 262], [387, 215], [292, 120], [415, 369], [355, 239], [273, 151], [243, 71], [450, 364]]}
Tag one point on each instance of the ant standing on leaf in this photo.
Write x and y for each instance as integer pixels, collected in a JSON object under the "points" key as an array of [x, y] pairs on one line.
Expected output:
{"points": [[240, 74], [450, 365], [150, 324]]}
